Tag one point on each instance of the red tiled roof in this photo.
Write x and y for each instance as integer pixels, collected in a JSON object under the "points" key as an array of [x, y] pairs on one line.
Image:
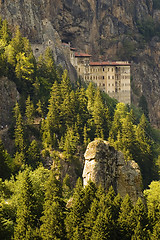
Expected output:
{"points": [[73, 49], [109, 64], [82, 55]]}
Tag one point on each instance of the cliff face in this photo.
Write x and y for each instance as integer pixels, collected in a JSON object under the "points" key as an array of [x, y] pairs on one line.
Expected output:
{"points": [[8, 97], [101, 27], [106, 166]]}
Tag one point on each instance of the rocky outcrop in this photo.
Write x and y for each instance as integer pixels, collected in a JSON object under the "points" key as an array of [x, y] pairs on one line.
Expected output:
{"points": [[101, 27], [106, 166], [8, 97]]}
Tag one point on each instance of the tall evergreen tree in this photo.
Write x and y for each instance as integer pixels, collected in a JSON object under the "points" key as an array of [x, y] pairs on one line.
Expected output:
{"points": [[33, 154], [29, 111], [19, 130], [99, 114], [71, 141], [104, 226], [5, 33], [6, 163], [75, 217], [25, 218], [119, 115], [125, 219], [90, 219], [90, 92], [144, 150], [53, 214]]}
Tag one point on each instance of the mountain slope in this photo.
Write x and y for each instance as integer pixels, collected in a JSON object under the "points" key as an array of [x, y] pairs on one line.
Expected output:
{"points": [[126, 30]]}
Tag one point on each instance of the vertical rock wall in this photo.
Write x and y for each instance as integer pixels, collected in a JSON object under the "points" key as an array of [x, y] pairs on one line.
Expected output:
{"points": [[106, 166]]}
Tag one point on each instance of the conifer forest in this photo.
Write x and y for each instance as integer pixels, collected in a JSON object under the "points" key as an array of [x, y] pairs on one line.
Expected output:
{"points": [[41, 191]]}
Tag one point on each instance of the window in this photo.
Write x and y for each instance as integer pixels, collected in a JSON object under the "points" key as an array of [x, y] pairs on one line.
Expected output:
{"points": [[103, 69], [109, 84], [103, 84], [112, 77], [108, 77], [103, 77], [112, 69]]}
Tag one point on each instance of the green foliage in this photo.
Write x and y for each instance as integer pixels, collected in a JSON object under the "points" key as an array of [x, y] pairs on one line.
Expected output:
{"points": [[156, 4], [33, 154], [148, 28], [25, 212], [19, 130], [144, 106], [6, 163], [32, 204], [153, 201], [128, 49], [53, 214], [29, 111]]}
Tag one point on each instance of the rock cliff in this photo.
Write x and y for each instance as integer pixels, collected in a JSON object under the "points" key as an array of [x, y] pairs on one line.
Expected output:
{"points": [[110, 28], [106, 166], [8, 97]]}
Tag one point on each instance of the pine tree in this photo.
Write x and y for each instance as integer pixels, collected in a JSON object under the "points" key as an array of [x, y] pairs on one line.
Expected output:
{"points": [[67, 190], [69, 108], [99, 114], [128, 141], [53, 121], [19, 130], [71, 141], [153, 201], [85, 136], [40, 109], [125, 219], [90, 92], [139, 221], [5, 33], [65, 85], [53, 214], [17, 42], [6, 164], [156, 231], [119, 115], [90, 219], [50, 68], [104, 226], [144, 150], [29, 111], [25, 217], [76, 215], [33, 154]]}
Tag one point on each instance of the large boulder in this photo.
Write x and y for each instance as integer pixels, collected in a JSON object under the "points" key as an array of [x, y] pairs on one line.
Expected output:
{"points": [[106, 166]]}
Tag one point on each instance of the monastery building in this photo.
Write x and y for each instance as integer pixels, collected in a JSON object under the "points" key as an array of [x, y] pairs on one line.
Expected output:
{"points": [[111, 77]]}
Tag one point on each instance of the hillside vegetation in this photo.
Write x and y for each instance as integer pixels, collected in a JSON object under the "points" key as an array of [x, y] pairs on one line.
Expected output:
{"points": [[53, 122]]}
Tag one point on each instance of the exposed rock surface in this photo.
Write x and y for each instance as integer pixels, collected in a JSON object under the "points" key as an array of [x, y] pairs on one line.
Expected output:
{"points": [[101, 27], [106, 166], [8, 97]]}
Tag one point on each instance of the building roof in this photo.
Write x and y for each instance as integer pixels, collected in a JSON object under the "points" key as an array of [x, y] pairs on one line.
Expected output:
{"points": [[118, 63], [73, 49], [77, 54]]}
